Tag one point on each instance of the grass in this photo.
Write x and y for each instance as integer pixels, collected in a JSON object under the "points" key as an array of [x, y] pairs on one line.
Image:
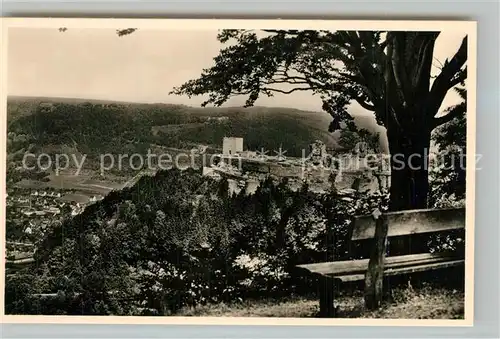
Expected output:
{"points": [[406, 303]]}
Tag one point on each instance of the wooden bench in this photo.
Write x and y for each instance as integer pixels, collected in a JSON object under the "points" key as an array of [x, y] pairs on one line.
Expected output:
{"points": [[378, 228]]}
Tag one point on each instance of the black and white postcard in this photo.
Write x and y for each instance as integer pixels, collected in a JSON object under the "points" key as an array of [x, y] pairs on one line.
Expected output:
{"points": [[238, 171]]}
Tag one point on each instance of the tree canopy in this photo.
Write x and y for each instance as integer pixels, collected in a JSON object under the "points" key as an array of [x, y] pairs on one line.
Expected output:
{"points": [[451, 140], [375, 69]]}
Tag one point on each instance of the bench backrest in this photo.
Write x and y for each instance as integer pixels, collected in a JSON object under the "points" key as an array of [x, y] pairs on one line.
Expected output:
{"points": [[411, 222]]}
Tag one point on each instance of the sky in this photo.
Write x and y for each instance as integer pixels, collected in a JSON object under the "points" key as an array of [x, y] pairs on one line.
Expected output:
{"points": [[141, 67]]}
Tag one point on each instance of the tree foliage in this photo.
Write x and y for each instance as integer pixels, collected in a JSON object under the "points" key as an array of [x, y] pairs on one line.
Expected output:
{"points": [[384, 72], [119, 32], [179, 240], [95, 128], [359, 141], [448, 177]]}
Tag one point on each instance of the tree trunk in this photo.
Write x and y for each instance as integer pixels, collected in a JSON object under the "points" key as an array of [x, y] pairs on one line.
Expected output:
{"points": [[409, 181], [409, 169]]}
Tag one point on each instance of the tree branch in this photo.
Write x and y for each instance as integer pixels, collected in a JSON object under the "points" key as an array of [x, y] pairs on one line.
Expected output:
{"points": [[446, 79], [396, 50], [295, 89], [455, 113], [393, 93], [365, 104], [422, 75], [459, 78]]}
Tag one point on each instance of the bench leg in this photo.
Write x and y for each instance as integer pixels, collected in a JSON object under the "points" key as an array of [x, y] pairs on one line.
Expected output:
{"points": [[326, 297], [375, 273]]}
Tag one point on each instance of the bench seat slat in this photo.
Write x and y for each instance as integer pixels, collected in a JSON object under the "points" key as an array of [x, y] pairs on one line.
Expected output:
{"points": [[405, 270], [411, 222], [350, 267]]}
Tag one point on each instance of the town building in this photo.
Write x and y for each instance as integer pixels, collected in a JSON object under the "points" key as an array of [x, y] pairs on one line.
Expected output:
{"points": [[232, 145]]}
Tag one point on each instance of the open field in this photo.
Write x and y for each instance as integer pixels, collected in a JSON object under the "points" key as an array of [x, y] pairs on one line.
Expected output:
{"points": [[79, 188]]}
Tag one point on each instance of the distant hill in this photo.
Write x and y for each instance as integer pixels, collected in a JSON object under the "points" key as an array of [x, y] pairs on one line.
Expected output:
{"points": [[95, 126]]}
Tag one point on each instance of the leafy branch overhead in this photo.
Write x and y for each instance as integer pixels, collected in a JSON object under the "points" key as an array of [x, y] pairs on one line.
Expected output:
{"points": [[119, 32], [127, 31], [384, 72]]}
